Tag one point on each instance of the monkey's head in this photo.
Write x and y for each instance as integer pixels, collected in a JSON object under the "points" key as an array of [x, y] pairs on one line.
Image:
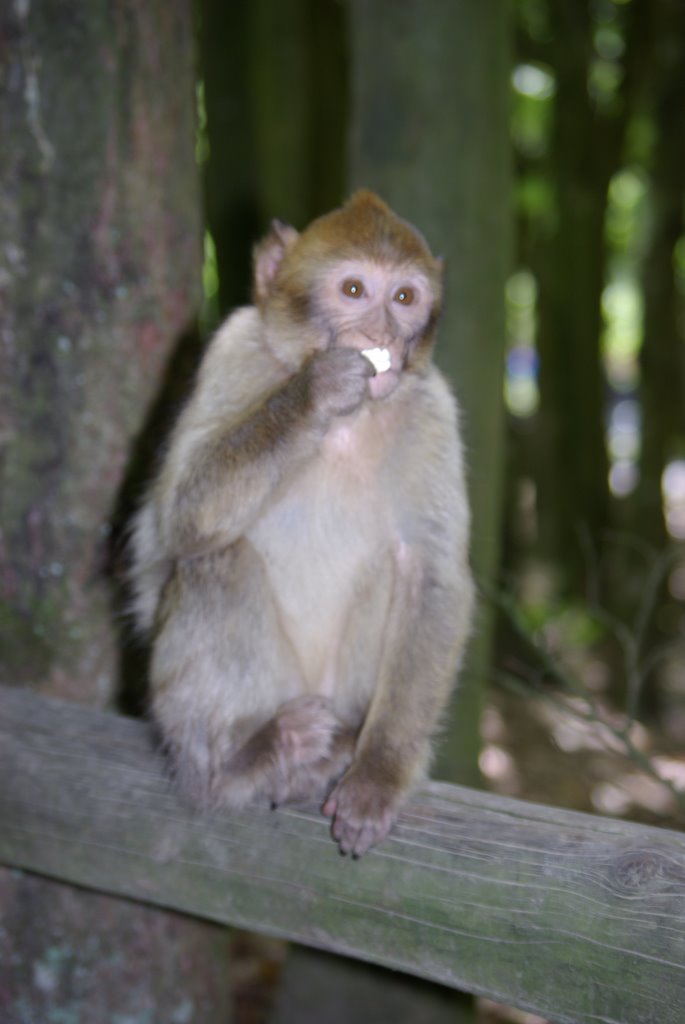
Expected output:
{"points": [[358, 277]]}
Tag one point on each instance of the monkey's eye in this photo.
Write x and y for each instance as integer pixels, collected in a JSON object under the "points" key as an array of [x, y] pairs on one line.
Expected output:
{"points": [[405, 296], [352, 287]]}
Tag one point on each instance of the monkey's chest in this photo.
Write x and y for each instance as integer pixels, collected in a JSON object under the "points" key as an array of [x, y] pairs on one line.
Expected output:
{"points": [[323, 544]]}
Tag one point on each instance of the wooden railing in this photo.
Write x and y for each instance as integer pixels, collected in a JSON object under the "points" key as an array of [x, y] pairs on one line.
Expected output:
{"points": [[579, 918]]}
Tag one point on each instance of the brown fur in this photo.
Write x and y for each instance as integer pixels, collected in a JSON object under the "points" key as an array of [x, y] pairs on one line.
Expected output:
{"points": [[301, 559]]}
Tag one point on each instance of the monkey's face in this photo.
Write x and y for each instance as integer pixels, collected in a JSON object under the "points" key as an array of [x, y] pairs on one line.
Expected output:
{"points": [[358, 277], [382, 310]]}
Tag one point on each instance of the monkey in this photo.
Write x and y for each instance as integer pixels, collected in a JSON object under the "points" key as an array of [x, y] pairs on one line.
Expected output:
{"points": [[300, 561]]}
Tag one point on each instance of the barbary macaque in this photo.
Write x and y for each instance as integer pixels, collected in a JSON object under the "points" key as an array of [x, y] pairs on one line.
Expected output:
{"points": [[301, 559]]}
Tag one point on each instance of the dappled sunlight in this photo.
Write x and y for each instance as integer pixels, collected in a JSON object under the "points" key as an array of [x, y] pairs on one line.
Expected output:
{"points": [[623, 442], [630, 793], [573, 732], [533, 80], [544, 752], [673, 491], [498, 766], [563, 730], [622, 310], [521, 370]]}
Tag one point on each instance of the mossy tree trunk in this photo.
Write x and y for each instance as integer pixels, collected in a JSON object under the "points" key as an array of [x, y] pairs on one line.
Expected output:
{"points": [[99, 272]]}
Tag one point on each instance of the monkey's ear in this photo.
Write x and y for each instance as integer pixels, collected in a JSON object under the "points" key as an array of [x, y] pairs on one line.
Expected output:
{"points": [[268, 256], [440, 265]]}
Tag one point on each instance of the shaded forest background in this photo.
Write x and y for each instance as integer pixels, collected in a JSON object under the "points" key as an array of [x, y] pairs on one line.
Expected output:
{"points": [[594, 523], [539, 145], [589, 572]]}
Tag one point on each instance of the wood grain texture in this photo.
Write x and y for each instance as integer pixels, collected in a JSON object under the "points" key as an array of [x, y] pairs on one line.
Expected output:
{"points": [[579, 918]]}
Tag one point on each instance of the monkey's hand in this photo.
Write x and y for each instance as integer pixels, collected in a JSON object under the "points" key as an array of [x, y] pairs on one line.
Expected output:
{"points": [[363, 810], [338, 381]]}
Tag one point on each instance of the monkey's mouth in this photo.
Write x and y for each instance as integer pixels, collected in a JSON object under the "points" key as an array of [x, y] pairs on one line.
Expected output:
{"points": [[379, 358]]}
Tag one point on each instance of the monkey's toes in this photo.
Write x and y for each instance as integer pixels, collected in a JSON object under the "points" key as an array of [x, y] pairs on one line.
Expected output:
{"points": [[307, 730], [362, 815]]}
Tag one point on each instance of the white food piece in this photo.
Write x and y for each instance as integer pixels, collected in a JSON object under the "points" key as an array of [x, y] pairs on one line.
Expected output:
{"points": [[379, 358]]}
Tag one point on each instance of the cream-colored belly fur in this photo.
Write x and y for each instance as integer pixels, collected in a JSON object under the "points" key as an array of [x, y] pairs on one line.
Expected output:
{"points": [[319, 541]]}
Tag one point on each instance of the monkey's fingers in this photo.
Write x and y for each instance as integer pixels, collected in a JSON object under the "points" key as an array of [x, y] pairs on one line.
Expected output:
{"points": [[306, 729]]}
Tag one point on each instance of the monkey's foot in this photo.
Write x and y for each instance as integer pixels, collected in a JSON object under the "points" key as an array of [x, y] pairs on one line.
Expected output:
{"points": [[309, 743], [363, 812]]}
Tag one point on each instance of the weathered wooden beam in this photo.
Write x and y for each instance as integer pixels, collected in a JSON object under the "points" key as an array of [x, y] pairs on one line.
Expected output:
{"points": [[579, 918]]}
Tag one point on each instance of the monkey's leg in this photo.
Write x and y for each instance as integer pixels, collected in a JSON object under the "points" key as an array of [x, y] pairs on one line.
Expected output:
{"points": [[228, 694], [423, 636]]}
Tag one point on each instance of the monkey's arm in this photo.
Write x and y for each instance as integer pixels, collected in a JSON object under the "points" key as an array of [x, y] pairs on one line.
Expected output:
{"points": [[425, 635], [246, 427], [231, 469]]}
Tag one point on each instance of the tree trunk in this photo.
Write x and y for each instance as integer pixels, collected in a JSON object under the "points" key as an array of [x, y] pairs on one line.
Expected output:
{"points": [[662, 362], [430, 88], [274, 79], [99, 270], [661, 359], [228, 156], [586, 149], [299, 103], [99, 208], [573, 483]]}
